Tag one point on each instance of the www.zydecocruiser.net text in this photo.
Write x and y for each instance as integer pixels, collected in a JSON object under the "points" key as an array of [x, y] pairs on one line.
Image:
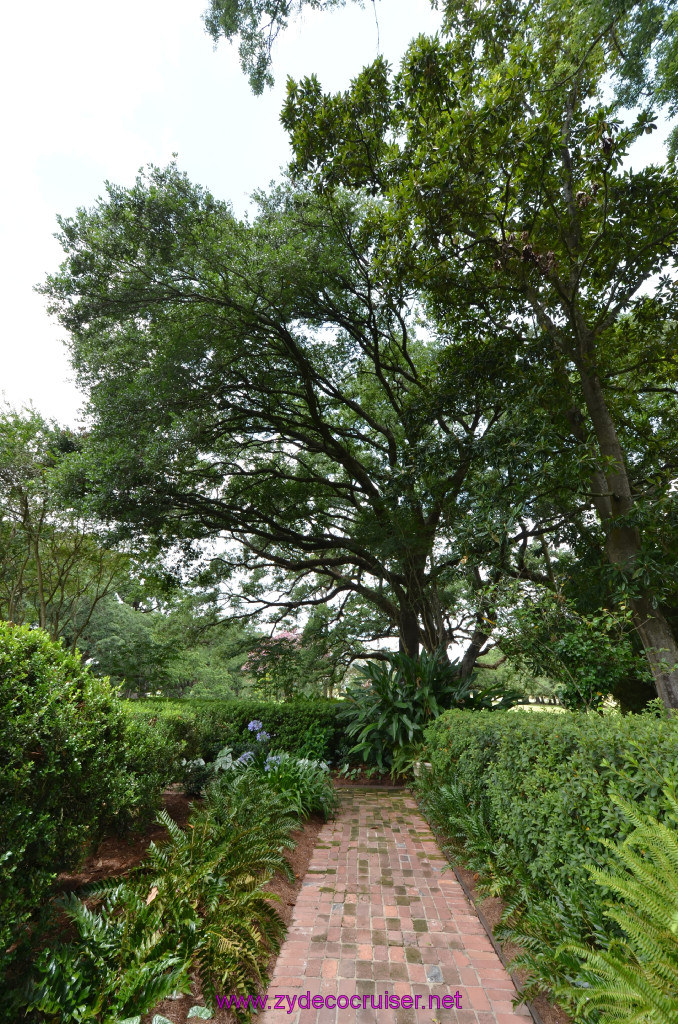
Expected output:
{"points": [[387, 1001]]}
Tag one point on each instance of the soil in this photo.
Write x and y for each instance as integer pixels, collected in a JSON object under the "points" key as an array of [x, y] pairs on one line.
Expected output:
{"points": [[492, 907], [117, 856]]}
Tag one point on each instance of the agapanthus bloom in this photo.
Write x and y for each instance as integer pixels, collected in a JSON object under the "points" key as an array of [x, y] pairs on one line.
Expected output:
{"points": [[255, 725], [263, 736]]}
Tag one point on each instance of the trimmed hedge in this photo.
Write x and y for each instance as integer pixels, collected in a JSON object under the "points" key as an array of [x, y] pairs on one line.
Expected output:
{"points": [[544, 779], [526, 800], [71, 767], [300, 726]]}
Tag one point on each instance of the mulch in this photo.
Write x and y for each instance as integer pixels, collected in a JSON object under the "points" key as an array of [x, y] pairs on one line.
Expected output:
{"points": [[116, 856]]}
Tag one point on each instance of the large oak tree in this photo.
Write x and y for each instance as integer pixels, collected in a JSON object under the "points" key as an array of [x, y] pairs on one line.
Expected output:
{"points": [[263, 383], [510, 202]]}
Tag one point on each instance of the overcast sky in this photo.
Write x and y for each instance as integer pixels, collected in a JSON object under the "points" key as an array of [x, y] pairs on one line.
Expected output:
{"points": [[93, 92]]}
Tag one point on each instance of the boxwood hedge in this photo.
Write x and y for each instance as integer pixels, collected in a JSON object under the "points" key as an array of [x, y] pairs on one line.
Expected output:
{"points": [[71, 767], [527, 801], [300, 726], [544, 780]]}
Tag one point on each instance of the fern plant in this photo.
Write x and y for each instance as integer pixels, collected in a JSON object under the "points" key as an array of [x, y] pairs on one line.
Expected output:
{"points": [[635, 979], [539, 924], [120, 963], [212, 900], [466, 825], [254, 817], [198, 904]]}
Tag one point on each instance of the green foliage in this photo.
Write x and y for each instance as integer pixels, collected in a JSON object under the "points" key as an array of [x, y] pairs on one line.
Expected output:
{"points": [[345, 499], [151, 756], [197, 904], [514, 676], [400, 696], [71, 765], [119, 964], [55, 567], [590, 656], [500, 155], [123, 643], [257, 23], [206, 726], [528, 799], [635, 979], [303, 783], [317, 741], [162, 639], [512, 762], [311, 662]]}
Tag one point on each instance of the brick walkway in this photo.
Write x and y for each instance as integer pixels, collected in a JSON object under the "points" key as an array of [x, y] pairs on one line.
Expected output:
{"points": [[377, 914]]}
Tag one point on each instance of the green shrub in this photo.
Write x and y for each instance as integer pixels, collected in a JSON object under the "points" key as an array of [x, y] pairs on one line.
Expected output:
{"points": [[67, 770], [399, 697], [636, 977], [528, 798], [545, 779], [206, 726], [150, 756]]}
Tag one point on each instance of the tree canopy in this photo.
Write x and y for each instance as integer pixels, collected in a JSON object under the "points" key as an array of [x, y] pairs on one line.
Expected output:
{"points": [[637, 37], [438, 361], [510, 201], [280, 393], [56, 566]]}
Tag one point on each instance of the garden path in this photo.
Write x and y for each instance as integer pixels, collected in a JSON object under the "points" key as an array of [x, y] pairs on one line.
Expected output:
{"points": [[377, 913]]}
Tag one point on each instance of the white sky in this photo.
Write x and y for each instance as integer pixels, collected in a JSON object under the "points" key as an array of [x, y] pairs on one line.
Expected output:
{"points": [[94, 92]]}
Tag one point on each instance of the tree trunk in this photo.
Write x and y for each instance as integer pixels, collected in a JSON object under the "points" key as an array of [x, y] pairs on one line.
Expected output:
{"points": [[472, 652], [622, 546], [408, 639], [42, 606]]}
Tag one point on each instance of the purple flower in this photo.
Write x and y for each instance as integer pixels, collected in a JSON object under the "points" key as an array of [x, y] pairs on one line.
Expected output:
{"points": [[245, 758], [255, 726], [263, 736]]}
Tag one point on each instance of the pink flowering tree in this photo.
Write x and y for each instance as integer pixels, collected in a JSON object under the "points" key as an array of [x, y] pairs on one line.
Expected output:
{"points": [[313, 661], [274, 661]]}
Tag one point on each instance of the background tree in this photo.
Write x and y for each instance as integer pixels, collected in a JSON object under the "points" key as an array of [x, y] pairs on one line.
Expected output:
{"points": [[55, 567], [178, 644]]}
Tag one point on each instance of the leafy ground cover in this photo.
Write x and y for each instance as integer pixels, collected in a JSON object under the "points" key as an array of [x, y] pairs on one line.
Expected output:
{"points": [[195, 917], [116, 855]]}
